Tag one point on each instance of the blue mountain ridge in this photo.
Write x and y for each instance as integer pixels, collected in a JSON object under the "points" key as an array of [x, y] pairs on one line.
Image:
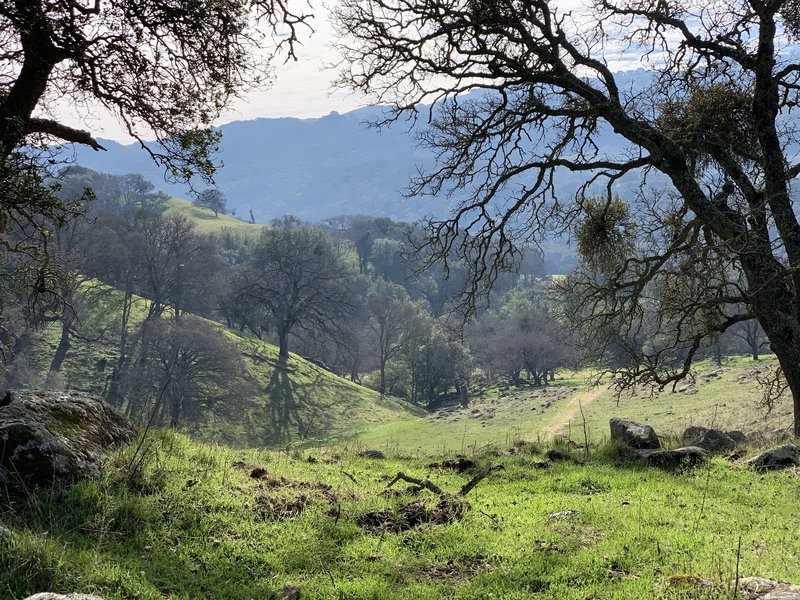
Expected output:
{"points": [[317, 168]]}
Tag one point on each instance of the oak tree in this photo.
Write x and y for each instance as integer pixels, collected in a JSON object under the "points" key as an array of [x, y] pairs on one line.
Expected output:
{"points": [[523, 92], [298, 278], [166, 70]]}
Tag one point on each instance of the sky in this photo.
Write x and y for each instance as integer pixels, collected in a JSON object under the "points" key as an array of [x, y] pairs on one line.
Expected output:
{"points": [[301, 88]]}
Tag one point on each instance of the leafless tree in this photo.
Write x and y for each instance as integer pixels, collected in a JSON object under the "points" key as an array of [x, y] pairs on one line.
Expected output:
{"points": [[713, 124], [298, 277]]}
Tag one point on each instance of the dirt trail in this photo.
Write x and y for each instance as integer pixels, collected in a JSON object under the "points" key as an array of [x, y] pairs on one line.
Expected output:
{"points": [[570, 409]]}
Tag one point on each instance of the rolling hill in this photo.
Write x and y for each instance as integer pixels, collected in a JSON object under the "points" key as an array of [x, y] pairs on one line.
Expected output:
{"points": [[323, 167], [290, 402]]}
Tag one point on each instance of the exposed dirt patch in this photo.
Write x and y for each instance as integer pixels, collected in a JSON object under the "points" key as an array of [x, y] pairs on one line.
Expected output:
{"points": [[259, 473], [460, 464], [319, 489], [407, 516], [464, 568], [272, 508]]}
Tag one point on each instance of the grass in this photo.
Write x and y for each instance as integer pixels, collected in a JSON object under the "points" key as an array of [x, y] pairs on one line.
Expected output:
{"points": [[296, 402], [206, 222], [729, 401], [292, 402], [194, 523], [501, 415]]}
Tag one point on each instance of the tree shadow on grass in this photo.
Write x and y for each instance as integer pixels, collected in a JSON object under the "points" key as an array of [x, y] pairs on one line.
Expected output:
{"points": [[284, 416], [143, 552], [296, 410]]}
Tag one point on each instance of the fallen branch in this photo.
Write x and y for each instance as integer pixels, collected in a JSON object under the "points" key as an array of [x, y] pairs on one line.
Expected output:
{"points": [[487, 468], [420, 483], [429, 485]]}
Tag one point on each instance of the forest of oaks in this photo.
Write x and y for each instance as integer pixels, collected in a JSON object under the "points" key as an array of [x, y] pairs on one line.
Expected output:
{"points": [[349, 294]]}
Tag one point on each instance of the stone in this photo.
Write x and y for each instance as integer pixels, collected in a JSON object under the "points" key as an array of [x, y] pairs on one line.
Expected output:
{"points": [[693, 434], [670, 460], [758, 588], [635, 435], [291, 592], [47, 436], [737, 436], [372, 454], [716, 440], [713, 440], [779, 457], [555, 454], [52, 596]]}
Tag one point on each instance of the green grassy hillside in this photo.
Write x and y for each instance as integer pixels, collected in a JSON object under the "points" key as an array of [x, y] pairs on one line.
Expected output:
{"points": [[292, 402], [205, 220], [200, 521], [727, 397]]}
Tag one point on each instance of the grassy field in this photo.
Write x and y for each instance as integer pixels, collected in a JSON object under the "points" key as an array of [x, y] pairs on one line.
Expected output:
{"points": [[727, 397], [198, 521], [206, 222]]}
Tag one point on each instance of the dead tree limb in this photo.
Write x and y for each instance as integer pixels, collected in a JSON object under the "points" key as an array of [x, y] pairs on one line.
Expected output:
{"points": [[487, 468], [429, 485], [421, 483]]}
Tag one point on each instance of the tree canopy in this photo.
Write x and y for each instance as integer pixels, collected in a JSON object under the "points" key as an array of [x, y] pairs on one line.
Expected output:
{"points": [[524, 91], [213, 199], [163, 68]]}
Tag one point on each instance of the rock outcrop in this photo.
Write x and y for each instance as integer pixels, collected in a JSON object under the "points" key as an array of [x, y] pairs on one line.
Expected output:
{"points": [[45, 436], [758, 588], [711, 439], [671, 459], [635, 435], [716, 440], [779, 457]]}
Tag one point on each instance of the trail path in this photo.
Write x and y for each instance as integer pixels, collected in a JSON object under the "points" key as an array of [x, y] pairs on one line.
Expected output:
{"points": [[571, 408]]}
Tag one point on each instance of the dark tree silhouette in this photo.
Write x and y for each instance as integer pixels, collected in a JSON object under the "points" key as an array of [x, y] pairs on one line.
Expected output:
{"points": [[213, 199], [298, 276]]}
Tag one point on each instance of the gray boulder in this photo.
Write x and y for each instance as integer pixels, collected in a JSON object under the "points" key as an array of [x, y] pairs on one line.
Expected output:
{"points": [[635, 435], [716, 440], [46, 436], [693, 434], [758, 588], [713, 440], [672, 459], [779, 457], [737, 436]]}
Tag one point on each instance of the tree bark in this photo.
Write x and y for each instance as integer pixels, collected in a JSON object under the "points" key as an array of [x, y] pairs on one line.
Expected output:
{"points": [[283, 343], [773, 305], [63, 346], [113, 395]]}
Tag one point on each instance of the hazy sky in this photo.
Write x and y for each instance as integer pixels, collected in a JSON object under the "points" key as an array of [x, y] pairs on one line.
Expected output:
{"points": [[301, 88]]}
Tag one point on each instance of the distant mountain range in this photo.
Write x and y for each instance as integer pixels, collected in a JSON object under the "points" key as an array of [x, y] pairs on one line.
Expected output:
{"points": [[311, 168], [316, 168]]}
